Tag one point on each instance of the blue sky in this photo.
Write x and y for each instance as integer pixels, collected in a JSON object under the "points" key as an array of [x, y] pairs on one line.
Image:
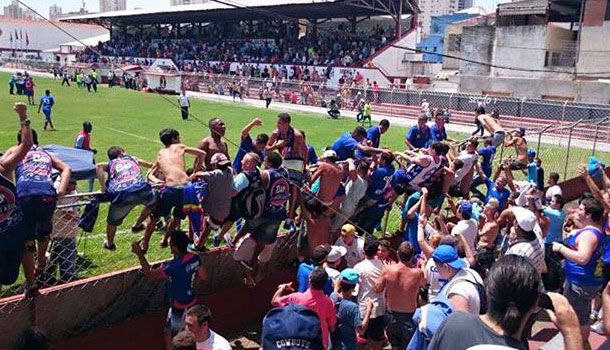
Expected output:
{"points": [[42, 6]]}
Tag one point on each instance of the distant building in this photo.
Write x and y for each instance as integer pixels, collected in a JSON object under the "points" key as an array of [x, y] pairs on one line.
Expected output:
{"points": [[54, 12], [435, 41], [536, 51], [112, 5], [187, 2], [14, 11], [435, 8]]}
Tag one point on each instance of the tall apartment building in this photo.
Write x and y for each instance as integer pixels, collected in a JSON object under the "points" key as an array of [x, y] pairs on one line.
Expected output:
{"points": [[187, 2], [55, 12], [112, 5], [431, 8], [13, 10]]}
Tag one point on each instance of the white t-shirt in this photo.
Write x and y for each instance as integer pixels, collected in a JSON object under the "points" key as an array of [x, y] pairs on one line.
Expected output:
{"points": [[468, 159], [469, 229], [551, 192], [184, 100], [460, 285], [214, 342], [434, 279], [355, 252], [369, 271], [354, 191]]}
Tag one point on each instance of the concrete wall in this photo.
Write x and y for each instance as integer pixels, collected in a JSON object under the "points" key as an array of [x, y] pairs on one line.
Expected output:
{"points": [[579, 90], [477, 45], [525, 47], [594, 55], [390, 61]]}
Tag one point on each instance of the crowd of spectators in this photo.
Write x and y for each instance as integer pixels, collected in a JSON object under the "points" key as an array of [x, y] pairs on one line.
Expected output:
{"points": [[265, 42], [477, 274]]}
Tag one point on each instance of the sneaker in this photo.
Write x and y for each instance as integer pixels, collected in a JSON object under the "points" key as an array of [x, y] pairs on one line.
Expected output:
{"points": [[246, 265], [109, 246], [138, 228], [229, 240], [193, 249], [598, 328]]}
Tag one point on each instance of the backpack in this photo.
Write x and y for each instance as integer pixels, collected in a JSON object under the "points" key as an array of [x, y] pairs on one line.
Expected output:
{"points": [[250, 202], [480, 291]]}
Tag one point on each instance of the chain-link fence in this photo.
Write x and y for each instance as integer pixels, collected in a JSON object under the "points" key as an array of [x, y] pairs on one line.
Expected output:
{"points": [[85, 287]]}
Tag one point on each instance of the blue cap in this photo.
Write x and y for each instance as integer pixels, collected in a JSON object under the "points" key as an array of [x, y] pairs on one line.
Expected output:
{"points": [[466, 209], [593, 168], [446, 254], [531, 153], [292, 327], [350, 276]]}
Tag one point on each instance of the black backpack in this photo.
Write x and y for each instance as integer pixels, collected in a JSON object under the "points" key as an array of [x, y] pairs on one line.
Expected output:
{"points": [[250, 202]]}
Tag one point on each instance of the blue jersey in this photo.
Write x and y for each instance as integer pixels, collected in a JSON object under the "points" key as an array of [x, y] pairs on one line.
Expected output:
{"points": [[437, 133], [246, 145], [379, 179], [488, 154], [373, 134], [33, 174], [278, 193], [493, 192], [587, 274], [47, 101], [312, 157], [418, 138], [180, 272], [124, 175], [344, 146]]}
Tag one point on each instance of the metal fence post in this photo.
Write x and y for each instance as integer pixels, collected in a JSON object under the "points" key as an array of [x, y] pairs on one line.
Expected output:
{"points": [[450, 99], [595, 139], [521, 108], [392, 101]]}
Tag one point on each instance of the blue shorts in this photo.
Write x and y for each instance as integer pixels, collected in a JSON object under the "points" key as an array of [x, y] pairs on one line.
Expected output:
{"points": [[47, 114], [124, 202], [174, 322], [175, 198], [38, 211]]}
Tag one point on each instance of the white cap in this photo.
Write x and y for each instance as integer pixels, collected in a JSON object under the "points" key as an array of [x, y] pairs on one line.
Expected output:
{"points": [[329, 153], [336, 253], [525, 219]]}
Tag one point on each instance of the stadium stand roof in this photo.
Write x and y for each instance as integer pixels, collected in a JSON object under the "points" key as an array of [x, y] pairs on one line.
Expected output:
{"points": [[222, 11], [554, 10]]}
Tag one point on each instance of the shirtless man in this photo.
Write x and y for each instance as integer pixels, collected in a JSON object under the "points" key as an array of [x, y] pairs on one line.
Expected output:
{"points": [[177, 191], [329, 175], [12, 234], [518, 141], [401, 282], [491, 124], [290, 143], [213, 144], [486, 245]]}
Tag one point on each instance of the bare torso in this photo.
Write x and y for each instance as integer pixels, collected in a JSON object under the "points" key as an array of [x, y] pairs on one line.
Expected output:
{"points": [[330, 179], [171, 164], [211, 147], [402, 287], [521, 149], [488, 234]]}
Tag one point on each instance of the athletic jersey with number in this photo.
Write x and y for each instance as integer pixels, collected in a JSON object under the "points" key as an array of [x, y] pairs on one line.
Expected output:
{"points": [[415, 175], [33, 174], [47, 101], [278, 193], [180, 272], [124, 175]]}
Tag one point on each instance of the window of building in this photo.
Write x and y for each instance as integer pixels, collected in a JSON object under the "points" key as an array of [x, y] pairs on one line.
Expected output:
{"points": [[454, 41]]}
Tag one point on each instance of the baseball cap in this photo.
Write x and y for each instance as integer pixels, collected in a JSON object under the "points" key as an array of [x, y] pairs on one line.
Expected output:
{"points": [[348, 229], [593, 168], [329, 153], [350, 276], [525, 218], [336, 253], [220, 159], [466, 208], [292, 327], [521, 131], [531, 153], [320, 253], [447, 254]]}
